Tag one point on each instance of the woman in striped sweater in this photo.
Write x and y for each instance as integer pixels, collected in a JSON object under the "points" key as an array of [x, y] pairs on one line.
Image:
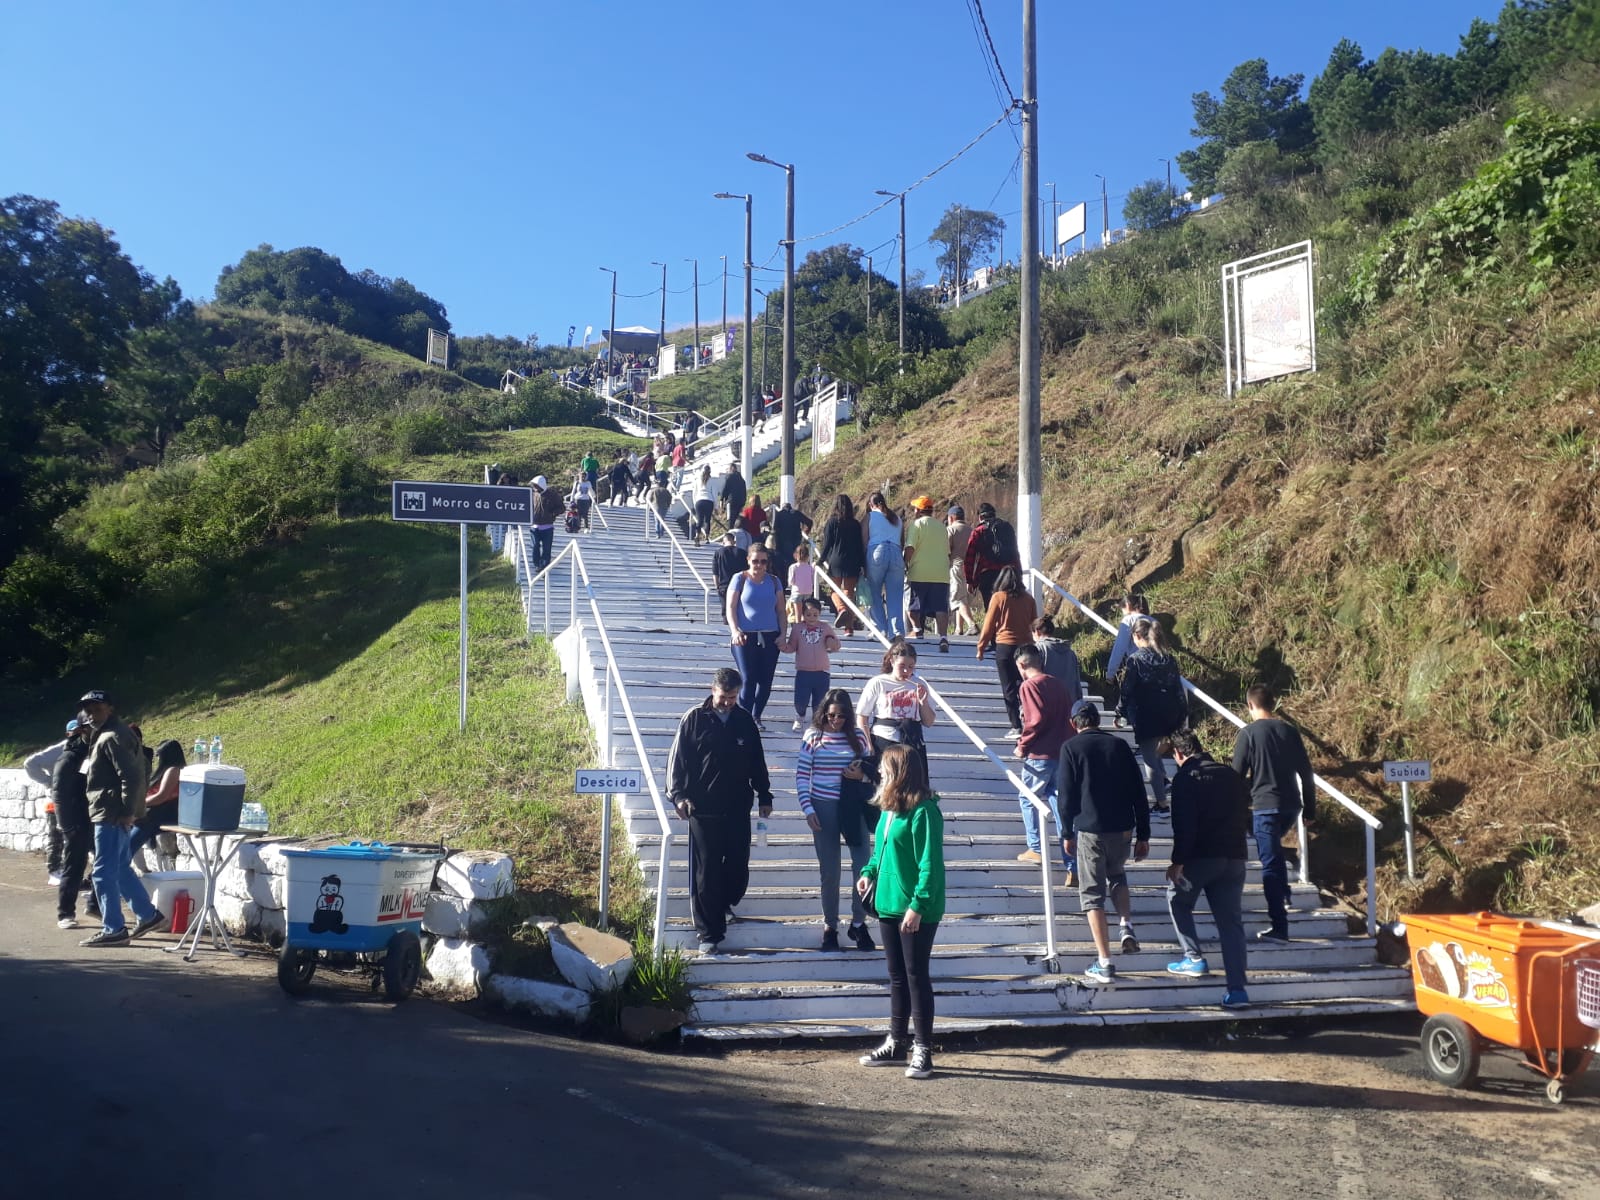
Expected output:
{"points": [[831, 750]]}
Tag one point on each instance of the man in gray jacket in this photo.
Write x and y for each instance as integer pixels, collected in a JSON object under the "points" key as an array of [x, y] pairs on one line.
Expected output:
{"points": [[115, 785]]}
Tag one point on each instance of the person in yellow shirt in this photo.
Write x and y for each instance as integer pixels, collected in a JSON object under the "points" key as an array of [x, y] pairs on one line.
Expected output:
{"points": [[928, 571]]}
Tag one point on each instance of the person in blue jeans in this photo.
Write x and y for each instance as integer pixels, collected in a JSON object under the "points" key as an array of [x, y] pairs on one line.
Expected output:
{"points": [[1271, 756], [1210, 820], [884, 534], [115, 785], [1045, 728], [758, 623]]}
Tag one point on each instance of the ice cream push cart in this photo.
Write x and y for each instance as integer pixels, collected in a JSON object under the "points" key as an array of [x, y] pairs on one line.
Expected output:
{"points": [[1483, 978], [360, 904]]}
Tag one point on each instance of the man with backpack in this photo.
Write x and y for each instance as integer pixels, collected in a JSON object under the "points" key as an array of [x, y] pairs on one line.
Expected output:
{"points": [[991, 549], [548, 508]]}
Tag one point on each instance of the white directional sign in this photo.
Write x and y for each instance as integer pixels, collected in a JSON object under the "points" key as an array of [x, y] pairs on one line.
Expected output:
{"points": [[601, 782], [1410, 771], [460, 503]]}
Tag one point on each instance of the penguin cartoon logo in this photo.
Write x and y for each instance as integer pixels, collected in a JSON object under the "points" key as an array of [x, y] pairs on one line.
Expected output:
{"points": [[328, 917]]}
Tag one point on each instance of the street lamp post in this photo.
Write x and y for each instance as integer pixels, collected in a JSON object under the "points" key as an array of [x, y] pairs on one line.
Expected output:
{"points": [[611, 334], [902, 197], [1105, 213], [696, 364], [724, 298], [786, 470], [869, 295], [661, 334], [1029, 461], [1170, 205], [744, 355]]}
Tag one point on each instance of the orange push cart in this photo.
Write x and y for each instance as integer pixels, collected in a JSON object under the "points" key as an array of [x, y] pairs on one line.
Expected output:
{"points": [[1513, 981]]}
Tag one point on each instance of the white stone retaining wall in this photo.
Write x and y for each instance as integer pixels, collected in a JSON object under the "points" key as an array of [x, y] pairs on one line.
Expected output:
{"points": [[22, 820]]}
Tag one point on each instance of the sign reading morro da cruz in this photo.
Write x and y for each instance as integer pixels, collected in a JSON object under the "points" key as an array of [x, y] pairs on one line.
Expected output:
{"points": [[461, 503]]}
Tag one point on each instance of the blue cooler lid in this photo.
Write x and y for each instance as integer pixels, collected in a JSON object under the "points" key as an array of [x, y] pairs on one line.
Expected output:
{"points": [[356, 849]]}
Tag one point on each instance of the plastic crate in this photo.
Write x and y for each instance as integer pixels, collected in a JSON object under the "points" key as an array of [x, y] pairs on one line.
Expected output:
{"points": [[1589, 992]]}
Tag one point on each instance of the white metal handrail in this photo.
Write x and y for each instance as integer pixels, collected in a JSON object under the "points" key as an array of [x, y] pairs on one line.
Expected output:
{"points": [[614, 684], [1371, 823], [678, 552], [1052, 959]]}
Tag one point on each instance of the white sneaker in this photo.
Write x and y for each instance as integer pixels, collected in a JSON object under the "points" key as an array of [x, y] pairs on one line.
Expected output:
{"points": [[798, 726], [53, 879], [67, 923]]}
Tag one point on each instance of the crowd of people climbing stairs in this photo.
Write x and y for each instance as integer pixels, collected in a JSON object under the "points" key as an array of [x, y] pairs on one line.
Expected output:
{"points": [[863, 780]]}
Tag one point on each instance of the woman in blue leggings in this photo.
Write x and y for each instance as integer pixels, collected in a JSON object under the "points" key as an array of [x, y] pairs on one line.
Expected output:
{"points": [[758, 622]]}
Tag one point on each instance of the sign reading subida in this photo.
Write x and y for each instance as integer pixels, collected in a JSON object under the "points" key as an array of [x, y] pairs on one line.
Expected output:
{"points": [[461, 503]]}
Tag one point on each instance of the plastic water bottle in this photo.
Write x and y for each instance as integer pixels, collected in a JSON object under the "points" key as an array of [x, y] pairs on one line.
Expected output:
{"points": [[253, 816], [198, 755], [216, 750], [761, 832]]}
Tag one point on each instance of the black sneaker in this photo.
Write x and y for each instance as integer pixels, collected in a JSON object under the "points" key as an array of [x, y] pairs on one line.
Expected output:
{"points": [[1130, 944], [921, 1064], [107, 938], [149, 923], [890, 1054], [830, 939], [1272, 935], [862, 937]]}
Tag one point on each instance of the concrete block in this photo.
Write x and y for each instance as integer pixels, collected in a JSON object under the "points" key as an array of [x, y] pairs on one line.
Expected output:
{"points": [[589, 959], [454, 916], [476, 875], [1590, 915], [458, 966], [538, 997]]}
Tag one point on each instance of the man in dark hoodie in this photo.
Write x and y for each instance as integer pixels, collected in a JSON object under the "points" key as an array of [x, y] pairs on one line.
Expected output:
{"points": [[1271, 756], [1210, 820], [115, 786], [716, 771], [1104, 815]]}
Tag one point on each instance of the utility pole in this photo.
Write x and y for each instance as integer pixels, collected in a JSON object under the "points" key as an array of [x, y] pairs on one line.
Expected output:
{"points": [[869, 295], [696, 263], [744, 353], [1105, 213], [902, 196], [958, 256], [786, 469], [661, 334], [611, 334], [1170, 205], [1029, 532]]}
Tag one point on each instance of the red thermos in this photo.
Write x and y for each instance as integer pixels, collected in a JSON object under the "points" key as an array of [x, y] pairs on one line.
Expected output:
{"points": [[182, 911]]}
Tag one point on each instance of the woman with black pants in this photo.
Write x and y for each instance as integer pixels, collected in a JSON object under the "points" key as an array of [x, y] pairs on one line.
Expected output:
{"points": [[843, 556], [1008, 627], [907, 870]]}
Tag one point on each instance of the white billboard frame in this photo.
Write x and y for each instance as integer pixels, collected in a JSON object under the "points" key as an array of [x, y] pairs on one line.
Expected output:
{"points": [[824, 421], [1241, 364], [438, 357], [1067, 228]]}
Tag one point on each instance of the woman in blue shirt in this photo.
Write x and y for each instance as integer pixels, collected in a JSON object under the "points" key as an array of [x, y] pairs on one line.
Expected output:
{"points": [[758, 622], [886, 566]]}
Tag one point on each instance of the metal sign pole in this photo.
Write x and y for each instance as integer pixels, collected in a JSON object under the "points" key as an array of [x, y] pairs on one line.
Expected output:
{"points": [[1405, 810], [463, 627]]}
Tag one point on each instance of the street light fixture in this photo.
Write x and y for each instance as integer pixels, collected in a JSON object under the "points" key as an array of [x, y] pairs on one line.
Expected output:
{"points": [[786, 470], [744, 366]]}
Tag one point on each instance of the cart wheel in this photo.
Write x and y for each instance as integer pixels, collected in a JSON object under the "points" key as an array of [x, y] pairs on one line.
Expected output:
{"points": [[295, 969], [1450, 1048], [402, 965], [1555, 1091]]}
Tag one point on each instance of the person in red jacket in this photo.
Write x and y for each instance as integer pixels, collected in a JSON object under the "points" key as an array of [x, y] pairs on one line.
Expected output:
{"points": [[991, 549], [1046, 725]]}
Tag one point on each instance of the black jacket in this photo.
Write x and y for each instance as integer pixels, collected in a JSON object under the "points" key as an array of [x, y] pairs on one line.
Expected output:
{"points": [[1152, 696], [841, 548], [717, 766], [727, 562], [1100, 786], [1210, 811], [1270, 754], [734, 490], [67, 785]]}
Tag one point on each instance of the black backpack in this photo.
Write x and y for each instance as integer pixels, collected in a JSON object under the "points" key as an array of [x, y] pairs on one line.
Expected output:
{"points": [[1002, 542]]}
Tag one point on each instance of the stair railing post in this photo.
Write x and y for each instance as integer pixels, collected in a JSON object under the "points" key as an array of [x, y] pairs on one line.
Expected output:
{"points": [[1372, 881], [1305, 849]]}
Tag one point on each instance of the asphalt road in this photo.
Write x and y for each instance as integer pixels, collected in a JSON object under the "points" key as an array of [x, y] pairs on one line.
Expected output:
{"points": [[131, 1071]]}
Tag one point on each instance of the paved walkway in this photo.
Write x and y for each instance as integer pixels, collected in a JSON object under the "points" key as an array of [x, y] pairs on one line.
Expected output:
{"points": [[134, 1071]]}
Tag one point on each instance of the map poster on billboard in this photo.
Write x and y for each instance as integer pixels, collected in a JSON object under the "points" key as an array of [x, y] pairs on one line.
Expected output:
{"points": [[722, 345], [824, 420], [639, 384], [667, 361], [439, 348], [1269, 315]]}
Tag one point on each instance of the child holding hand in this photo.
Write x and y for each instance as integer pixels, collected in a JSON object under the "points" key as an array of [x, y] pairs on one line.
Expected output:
{"points": [[810, 641]]}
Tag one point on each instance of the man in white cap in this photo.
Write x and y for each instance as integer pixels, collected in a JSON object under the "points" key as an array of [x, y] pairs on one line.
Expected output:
{"points": [[548, 508]]}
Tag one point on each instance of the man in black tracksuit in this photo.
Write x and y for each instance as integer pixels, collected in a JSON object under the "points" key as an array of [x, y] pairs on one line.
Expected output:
{"points": [[715, 770], [1271, 756], [733, 493], [1210, 820], [1105, 816]]}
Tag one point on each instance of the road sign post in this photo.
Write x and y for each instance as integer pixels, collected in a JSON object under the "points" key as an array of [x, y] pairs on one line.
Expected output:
{"points": [[460, 504], [606, 783], [1405, 774]]}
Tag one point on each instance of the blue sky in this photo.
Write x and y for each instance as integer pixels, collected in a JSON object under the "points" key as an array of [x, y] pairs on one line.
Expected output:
{"points": [[498, 154]]}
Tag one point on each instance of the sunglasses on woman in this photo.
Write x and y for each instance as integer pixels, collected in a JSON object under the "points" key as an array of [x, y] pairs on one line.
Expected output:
{"points": [[833, 714]]}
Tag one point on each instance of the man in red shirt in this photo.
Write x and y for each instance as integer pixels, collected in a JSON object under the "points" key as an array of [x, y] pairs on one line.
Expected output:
{"points": [[1045, 728], [991, 549]]}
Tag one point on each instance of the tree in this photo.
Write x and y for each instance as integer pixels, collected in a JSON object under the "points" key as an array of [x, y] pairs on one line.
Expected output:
{"points": [[1150, 204], [864, 365], [70, 300], [1255, 106], [973, 233]]}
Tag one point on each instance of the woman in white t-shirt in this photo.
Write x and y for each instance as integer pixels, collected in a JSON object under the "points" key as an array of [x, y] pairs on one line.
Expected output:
{"points": [[895, 707]]}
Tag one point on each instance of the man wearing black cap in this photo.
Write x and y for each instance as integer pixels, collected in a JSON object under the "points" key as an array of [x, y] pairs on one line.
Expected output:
{"points": [[115, 785], [1105, 814]]}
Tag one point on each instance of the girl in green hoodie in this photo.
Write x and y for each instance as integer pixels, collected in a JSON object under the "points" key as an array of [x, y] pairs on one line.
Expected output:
{"points": [[907, 865]]}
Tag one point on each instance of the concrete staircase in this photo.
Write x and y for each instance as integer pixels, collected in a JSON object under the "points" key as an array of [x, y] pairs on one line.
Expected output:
{"points": [[772, 981]]}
